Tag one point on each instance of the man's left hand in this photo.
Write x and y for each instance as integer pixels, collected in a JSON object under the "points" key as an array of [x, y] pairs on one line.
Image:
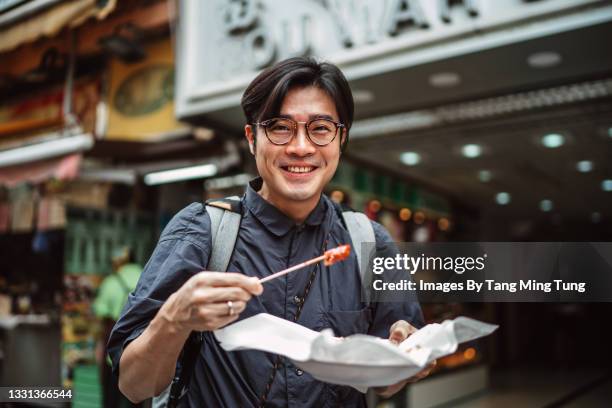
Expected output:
{"points": [[399, 332]]}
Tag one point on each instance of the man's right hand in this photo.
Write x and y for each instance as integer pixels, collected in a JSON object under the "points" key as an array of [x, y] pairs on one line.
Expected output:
{"points": [[202, 303]]}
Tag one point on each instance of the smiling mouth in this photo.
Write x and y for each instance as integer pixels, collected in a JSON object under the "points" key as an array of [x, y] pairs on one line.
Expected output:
{"points": [[299, 169]]}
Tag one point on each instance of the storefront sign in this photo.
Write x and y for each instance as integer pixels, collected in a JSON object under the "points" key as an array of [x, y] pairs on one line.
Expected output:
{"points": [[141, 105], [24, 118], [222, 44]]}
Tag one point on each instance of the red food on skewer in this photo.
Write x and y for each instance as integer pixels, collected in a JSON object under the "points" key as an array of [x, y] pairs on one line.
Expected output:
{"points": [[336, 254], [329, 257]]}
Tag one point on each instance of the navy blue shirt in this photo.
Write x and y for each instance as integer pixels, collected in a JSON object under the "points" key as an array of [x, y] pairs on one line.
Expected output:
{"points": [[268, 241]]}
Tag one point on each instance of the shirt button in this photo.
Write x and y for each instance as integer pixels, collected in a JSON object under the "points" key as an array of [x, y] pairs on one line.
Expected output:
{"points": [[299, 372], [297, 300]]}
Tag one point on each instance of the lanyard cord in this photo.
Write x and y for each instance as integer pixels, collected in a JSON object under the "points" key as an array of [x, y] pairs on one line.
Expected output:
{"points": [[277, 362]]}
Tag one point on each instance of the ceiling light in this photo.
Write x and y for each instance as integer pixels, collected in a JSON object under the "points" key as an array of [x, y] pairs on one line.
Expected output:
{"points": [[546, 205], [471, 150], [502, 198], [545, 59], [482, 108], [405, 214], [485, 176], [444, 79], [595, 217], [443, 224], [606, 185], [610, 132], [185, 173], [410, 158], [553, 140], [584, 166], [337, 196], [374, 206]]}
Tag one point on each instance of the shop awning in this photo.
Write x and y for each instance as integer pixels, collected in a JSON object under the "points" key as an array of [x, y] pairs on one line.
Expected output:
{"points": [[62, 168], [59, 159], [15, 31]]}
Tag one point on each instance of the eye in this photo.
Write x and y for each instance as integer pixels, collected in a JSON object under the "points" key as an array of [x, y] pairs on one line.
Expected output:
{"points": [[280, 126], [321, 126]]}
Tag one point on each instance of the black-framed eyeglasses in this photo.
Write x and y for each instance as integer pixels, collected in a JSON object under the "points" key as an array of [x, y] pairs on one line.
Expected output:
{"points": [[280, 131]]}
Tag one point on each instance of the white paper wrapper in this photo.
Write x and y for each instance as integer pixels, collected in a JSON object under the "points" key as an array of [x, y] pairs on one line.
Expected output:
{"points": [[360, 361]]}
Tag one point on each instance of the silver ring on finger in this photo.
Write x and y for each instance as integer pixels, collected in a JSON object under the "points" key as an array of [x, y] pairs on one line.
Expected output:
{"points": [[230, 308]]}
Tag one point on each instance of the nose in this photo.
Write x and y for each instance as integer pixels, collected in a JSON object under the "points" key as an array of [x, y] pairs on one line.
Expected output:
{"points": [[300, 145]]}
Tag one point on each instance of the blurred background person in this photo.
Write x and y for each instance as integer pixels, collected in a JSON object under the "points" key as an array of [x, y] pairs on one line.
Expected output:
{"points": [[112, 296]]}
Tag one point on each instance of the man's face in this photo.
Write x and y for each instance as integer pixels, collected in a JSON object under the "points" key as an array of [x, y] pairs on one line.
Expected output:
{"points": [[298, 171]]}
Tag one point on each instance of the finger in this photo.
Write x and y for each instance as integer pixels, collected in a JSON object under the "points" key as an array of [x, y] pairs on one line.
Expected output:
{"points": [[224, 321], [424, 372], [250, 284], [221, 309], [214, 295], [214, 323], [400, 330]]}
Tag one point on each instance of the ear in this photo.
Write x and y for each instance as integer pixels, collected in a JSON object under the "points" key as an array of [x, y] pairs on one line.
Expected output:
{"points": [[343, 140], [250, 136]]}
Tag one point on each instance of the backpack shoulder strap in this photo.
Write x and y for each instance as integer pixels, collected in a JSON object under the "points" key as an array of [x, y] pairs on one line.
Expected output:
{"points": [[360, 229], [225, 216]]}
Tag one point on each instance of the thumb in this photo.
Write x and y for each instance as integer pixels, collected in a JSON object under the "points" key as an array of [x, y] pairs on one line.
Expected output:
{"points": [[399, 331], [254, 286]]}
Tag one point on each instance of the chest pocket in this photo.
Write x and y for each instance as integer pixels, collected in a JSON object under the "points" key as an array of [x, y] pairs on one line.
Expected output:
{"points": [[347, 322]]}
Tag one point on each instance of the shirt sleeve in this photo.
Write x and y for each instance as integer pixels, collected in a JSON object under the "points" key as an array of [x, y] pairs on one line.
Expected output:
{"points": [[391, 307], [182, 251]]}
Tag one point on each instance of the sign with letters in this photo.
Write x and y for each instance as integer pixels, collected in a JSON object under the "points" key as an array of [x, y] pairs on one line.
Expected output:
{"points": [[222, 44]]}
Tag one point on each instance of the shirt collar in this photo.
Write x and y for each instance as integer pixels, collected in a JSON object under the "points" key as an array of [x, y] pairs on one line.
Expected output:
{"points": [[272, 218]]}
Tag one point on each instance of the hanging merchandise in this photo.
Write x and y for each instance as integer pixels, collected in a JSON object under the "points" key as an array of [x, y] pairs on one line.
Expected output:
{"points": [[22, 209], [5, 217], [51, 213]]}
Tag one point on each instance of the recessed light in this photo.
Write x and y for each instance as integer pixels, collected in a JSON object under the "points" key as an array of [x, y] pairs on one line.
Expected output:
{"points": [[584, 166], [471, 150], [606, 185], [502, 198], [405, 214], [546, 205], [444, 79], [443, 224], [544, 59], [553, 140], [595, 217], [485, 176], [410, 158]]}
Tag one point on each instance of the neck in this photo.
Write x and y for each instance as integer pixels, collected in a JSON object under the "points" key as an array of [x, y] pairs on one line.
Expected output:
{"points": [[298, 211]]}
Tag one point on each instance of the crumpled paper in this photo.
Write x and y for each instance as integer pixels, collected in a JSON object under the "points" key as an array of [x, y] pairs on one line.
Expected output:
{"points": [[360, 361]]}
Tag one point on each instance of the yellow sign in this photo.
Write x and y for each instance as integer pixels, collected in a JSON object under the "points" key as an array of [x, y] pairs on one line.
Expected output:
{"points": [[141, 98]]}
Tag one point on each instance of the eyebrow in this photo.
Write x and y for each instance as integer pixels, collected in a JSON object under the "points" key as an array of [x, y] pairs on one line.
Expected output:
{"points": [[310, 117]]}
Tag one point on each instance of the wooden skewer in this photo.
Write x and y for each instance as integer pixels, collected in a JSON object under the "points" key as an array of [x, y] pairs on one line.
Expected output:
{"points": [[331, 256]]}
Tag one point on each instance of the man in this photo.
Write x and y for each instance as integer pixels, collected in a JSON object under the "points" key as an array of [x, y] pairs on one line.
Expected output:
{"points": [[298, 114], [111, 298]]}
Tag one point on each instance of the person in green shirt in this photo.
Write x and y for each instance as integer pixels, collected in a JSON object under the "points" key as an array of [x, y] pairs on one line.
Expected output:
{"points": [[112, 296]]}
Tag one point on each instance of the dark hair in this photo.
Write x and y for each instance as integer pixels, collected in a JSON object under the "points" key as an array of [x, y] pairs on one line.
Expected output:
{"points": [[264, 96]]}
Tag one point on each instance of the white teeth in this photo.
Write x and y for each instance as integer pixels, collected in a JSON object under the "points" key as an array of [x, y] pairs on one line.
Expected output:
{"points": [[295, 169]]}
